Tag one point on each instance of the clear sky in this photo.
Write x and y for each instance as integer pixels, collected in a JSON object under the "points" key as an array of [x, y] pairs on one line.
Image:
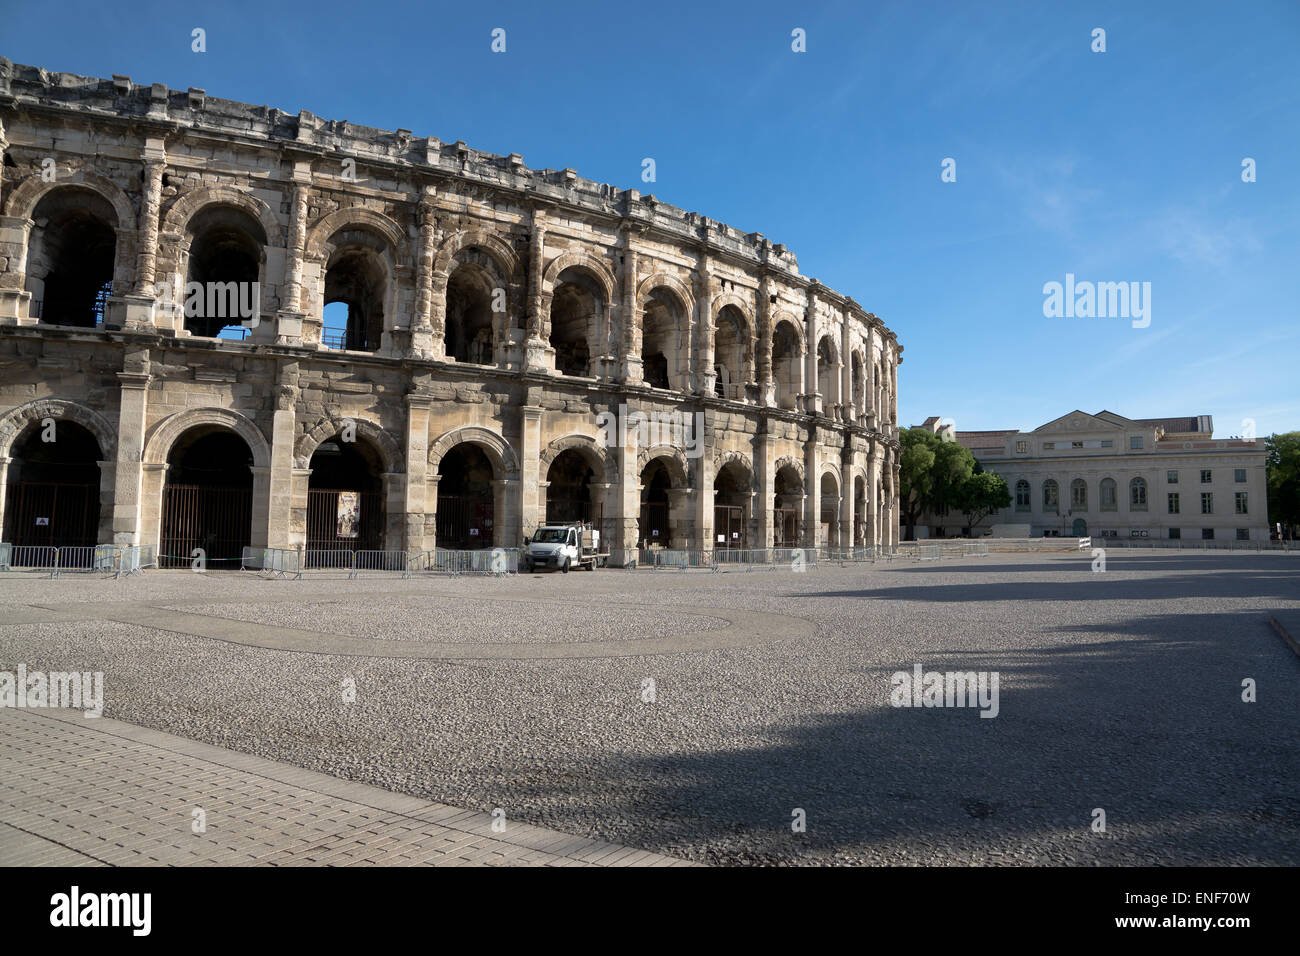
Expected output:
{"points": [[1117, 166]]}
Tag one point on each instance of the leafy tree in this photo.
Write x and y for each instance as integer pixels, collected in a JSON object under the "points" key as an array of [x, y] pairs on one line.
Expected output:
{"points": [[982, 494], [930, 475], [915, 474], [1283, 477]]}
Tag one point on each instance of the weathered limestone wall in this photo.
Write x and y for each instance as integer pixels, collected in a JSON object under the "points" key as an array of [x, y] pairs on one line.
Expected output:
{"points": [[164, 171]]}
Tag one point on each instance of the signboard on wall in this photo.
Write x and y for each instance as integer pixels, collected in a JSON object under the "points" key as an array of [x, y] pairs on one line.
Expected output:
{"points": [[42, 522], [349, 514]]}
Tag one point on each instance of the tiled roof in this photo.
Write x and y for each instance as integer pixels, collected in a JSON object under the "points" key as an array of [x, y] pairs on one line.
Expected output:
{"points": [[989, 439]]}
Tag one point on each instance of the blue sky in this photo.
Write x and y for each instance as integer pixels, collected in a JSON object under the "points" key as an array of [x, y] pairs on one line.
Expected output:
{"points": [[1115, 166]]}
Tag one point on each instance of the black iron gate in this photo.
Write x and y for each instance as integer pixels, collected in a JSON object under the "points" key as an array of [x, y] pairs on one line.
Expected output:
{"points": [[729, 522], [332, 529], [465, 522], [654, 524], [51, 514], [218, 520]]}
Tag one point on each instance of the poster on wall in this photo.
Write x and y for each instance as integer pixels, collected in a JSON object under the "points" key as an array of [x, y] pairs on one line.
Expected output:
{"points": [[349, 514]]}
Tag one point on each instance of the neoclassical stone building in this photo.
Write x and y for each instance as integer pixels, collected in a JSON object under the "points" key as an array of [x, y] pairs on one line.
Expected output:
{"points": [[431, 334]]}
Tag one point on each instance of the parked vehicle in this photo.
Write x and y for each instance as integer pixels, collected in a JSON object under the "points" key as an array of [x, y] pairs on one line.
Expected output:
{"points": [[563, 547]]}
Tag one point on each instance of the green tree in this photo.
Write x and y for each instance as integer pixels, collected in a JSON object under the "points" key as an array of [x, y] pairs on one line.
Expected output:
{"points": [[982, 494], [1283, 477], [915, 474], [930, 474]]}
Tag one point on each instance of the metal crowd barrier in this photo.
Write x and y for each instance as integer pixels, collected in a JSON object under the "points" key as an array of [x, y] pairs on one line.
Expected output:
{"points": [[771, 558], [927, 552], [678, 559], [496, 561], [856, 555], [83, 559]]}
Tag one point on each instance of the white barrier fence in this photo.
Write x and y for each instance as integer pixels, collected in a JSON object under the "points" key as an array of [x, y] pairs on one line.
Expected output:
{"points": [[76, 559]]}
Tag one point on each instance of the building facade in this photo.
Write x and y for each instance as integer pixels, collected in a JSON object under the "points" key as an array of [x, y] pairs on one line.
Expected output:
{"points": [[226, 325], [1105, 475]]}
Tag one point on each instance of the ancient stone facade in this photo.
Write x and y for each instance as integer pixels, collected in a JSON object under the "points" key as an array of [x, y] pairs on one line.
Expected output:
{"points": [[493, 313]]}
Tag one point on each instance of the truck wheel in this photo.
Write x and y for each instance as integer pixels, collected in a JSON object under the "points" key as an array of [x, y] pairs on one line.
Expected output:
{"points": [[565, 566]]}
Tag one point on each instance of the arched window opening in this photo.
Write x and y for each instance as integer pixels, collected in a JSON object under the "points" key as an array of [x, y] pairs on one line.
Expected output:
{"points": [[223, 273], [71, 257], [470, 292]]}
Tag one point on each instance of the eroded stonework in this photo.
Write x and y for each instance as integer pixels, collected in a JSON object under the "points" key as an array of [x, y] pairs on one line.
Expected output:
{"points": [[493, 313]]}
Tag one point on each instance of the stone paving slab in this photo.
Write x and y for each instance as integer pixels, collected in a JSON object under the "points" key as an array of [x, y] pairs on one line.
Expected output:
{"points": [[99, 792]]}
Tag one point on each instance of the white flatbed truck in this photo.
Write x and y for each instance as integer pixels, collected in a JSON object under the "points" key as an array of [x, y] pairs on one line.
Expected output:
{"points": [[563, 547]]}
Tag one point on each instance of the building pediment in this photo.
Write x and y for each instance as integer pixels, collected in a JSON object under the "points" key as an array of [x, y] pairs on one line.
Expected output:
{"points": [[1078, 421]]}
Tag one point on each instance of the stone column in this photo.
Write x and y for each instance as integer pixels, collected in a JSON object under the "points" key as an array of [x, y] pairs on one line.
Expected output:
{"points": [[280, 474], [873, 499], [848, 500], [530, 447], [428, 324], [127, 472], [623, 455], [812, 489], [506, 531], [705, 377], [260, 531], [138, 304], [763, 353], [15, 300], [417, 470], [765, 478], [290, 318], [630, 334], [812, 387], [704, 504], [538, 354]]}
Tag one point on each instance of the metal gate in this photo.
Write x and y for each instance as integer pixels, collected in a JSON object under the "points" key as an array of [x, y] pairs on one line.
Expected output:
{"points": [[729, 521], [654, 524], [218, 520], [465, 522], [51, 514], [327, 530]]}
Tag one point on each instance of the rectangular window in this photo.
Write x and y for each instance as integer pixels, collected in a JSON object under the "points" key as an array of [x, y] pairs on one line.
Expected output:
{"points": [[1243, 534], [1076, 444], [1022, 447], [1241, 503], [1239, 475], [1135, 442], [1171, 477], [1049, 445], [1108, 444], [1173, 503], [1175, 534], [1207, 534], [1207, 503], [1206, 476]]}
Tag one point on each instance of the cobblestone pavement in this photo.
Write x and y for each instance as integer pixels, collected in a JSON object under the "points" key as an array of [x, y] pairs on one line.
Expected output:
{"points": [[78, 791], [697, 715]]}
